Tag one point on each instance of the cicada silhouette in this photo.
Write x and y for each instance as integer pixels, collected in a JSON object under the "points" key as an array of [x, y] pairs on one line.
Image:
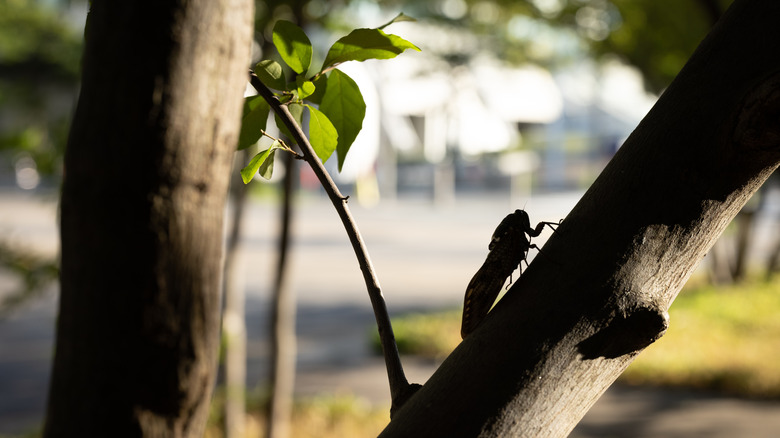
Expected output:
{"points": [[508, 247]]}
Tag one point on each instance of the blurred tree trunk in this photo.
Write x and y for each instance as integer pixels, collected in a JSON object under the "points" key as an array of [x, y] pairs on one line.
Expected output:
{"points": [[234, 312], [719, 262], [746, 224], [773, 261], [283, 339], [576, 318], [147, 169], [281, 376], [773, 258], [729, 257]]}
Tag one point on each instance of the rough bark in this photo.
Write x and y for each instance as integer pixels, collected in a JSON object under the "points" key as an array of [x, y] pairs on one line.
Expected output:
{"points": [[578, 316], [146, 173]]}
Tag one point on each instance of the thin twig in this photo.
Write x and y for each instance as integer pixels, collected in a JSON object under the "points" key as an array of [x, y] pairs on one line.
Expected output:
{"points": [[400, 389], [281, 142]]}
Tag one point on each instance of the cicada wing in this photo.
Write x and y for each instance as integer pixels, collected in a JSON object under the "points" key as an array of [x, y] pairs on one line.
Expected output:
{"points": [[481, 293]]}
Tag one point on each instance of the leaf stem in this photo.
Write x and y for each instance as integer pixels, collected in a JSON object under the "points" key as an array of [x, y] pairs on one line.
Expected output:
{"points": [[400, 389], [281, 142]]}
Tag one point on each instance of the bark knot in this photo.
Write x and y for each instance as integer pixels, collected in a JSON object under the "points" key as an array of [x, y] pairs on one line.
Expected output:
{"points": [[626, 333]]}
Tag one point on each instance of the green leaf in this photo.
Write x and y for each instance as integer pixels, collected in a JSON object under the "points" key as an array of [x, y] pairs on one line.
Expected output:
{"points": [[363, 44], [305, 88], [253, 121], [320, 86], [270, 73], [293, 45], [322, 135], [262, 163], [266, 169], [296, 110], [343, 104], [398, 18]]}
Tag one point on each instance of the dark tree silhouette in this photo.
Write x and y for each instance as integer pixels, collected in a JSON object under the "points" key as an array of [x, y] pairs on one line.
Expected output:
{"points": [[146, 174]]}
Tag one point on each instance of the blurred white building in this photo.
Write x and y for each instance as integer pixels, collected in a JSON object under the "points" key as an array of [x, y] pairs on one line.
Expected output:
{"points": [[431, 126]]}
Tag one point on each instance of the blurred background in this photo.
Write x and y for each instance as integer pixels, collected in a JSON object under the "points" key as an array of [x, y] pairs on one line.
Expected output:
{"points": [[510, 104]]}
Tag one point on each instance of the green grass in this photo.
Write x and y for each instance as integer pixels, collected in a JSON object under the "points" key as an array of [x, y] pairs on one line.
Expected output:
{"points": [[720, 338], [427, 335], [331, 416], [725, 339]]}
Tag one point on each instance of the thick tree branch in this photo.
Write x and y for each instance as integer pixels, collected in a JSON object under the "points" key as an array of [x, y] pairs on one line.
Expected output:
{"points": [[400, 389], [577, 317]]}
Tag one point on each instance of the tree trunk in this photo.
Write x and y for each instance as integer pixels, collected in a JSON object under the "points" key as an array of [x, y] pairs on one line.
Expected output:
{"points": [[283, 338], [234, 313], [577, 317], [146, 175], [773, 262], [746, 221]]}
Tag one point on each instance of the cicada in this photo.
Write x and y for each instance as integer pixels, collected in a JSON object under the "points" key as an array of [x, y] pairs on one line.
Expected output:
{"points": [[508, 248]]}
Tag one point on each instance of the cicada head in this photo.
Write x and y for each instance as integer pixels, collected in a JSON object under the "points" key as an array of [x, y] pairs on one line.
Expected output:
{"points": [[521, 219], [512, 223]]}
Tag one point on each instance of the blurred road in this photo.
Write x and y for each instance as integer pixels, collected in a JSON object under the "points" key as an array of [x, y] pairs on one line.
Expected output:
{"points": [[424, 256]]}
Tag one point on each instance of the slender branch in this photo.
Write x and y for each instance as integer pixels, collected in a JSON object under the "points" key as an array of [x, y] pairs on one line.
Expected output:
{"points": [[400, 389], [281, 142]]}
